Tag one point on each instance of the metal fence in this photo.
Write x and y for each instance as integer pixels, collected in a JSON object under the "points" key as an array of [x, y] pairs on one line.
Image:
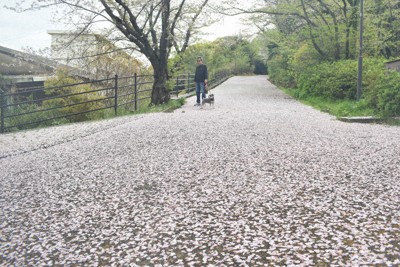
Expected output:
{"points": [[184, 82], [45, 106]]}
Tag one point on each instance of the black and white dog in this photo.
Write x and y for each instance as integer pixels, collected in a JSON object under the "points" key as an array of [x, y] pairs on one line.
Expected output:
{"points": [[209, 100]]}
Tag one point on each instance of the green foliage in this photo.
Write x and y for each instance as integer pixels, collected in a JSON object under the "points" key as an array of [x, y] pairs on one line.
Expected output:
{"points": [[2, 79], [336, 80], [32, 118], [313, 48], [384, 94], [339, 108], [71, 99], [280, 72], [233, 52], [304, 58], [382, 28], [330, 28]]}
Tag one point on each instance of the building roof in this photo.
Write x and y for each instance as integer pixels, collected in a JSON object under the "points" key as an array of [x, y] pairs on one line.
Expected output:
{"points": [[16, 63]]}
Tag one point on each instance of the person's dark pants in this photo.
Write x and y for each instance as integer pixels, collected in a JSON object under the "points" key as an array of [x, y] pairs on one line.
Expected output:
{"points": [[200, 90]]}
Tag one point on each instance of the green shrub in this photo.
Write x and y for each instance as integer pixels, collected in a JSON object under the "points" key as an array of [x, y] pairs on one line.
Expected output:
{"points": [[279, 71], [69, 100], [303, 58], [33, 117], [331, 80], [381, 88], [338, 81], [384, 94]]}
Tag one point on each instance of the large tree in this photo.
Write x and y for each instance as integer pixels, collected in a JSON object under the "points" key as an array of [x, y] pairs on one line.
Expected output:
{"points": [[152, 27], [314, 21], [329, 26]]}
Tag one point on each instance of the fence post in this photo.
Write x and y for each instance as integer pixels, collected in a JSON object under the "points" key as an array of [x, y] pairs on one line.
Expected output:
{"points": [[188, 82], [135, 88], [176, 85], [116, 94], [2, 106]]}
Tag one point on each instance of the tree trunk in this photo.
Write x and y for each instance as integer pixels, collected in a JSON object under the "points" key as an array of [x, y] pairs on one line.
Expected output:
{"points": [[310, 30], [347, 44], [160, 93]]}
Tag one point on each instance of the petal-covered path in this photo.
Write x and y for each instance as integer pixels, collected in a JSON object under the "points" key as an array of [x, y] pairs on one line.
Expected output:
{"points": [[258, 180]]}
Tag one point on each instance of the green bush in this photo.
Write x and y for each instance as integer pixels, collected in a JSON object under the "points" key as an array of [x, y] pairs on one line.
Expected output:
{"points": [[279, 71], [337, 81], [33, 117], [303, 58], [384, 94], [71, 99], [331, 80], [381, 88]]}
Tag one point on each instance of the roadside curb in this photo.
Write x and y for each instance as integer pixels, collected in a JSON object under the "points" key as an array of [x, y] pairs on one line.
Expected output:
{"points": [[361, 119]]}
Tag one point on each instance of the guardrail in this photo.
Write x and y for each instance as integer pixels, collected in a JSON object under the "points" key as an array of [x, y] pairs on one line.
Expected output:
{"points": [[45, 106], [184, 82]]}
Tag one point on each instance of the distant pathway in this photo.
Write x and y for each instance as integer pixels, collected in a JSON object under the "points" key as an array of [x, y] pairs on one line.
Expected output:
{"points": [[259, 180]]}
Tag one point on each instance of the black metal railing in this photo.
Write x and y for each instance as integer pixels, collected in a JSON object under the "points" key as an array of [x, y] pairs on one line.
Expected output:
{"points": [[184, 82], [44, 106]]}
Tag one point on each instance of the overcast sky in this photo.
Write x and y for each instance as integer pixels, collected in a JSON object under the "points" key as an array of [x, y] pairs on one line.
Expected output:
{"points": [[29, 29], [25, 29]]}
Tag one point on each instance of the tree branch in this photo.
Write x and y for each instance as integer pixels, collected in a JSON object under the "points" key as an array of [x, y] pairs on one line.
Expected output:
{"points": [[177, 15], [190, 27], [240, 11], [316, 46]]}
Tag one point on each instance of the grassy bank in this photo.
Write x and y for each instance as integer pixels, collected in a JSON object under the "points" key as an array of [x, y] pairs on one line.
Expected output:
{"points": [[143, 108], [340, 108]]}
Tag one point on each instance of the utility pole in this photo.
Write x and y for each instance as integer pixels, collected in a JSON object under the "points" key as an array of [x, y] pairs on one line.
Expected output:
{"points": [[360, 58]]}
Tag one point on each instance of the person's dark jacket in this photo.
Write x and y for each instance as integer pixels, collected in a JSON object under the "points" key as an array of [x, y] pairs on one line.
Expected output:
{"points": [[201, 73]]}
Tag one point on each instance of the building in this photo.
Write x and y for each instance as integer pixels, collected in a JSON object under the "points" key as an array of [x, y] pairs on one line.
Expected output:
{"points": [[72, 49], [23, 70]]}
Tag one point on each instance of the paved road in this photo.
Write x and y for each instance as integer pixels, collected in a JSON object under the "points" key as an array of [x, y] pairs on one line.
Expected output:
{"points": [[259, 180]]}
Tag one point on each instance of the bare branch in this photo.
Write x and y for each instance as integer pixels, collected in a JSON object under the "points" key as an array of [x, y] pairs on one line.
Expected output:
{"points": [[99, 54], [190, 27], [235, 11], [177, 16], [316, 46]]}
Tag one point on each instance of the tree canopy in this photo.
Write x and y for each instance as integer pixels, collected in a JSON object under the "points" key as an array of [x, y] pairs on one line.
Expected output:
{"points": [[152, 27], [330, 27]]}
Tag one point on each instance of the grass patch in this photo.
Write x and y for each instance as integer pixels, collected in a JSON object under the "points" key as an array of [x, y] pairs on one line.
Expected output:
{"points": [[341, 108], [393, 121], [143, 108], [344, 108], [338, 108]]}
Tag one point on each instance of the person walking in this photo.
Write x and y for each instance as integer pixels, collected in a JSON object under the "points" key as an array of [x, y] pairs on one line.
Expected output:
{"points": [[200, 78]]}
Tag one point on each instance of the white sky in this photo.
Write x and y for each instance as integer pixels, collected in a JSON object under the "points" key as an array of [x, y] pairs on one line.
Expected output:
{"points": [[25, 29], [29, 29]]}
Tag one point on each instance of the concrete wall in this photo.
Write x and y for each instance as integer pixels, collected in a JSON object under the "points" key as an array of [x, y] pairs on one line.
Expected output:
{"points": [[70, 49]]}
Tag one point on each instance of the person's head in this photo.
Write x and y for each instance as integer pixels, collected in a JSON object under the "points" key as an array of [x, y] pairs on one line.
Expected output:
{"points": [[199, 60]]}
